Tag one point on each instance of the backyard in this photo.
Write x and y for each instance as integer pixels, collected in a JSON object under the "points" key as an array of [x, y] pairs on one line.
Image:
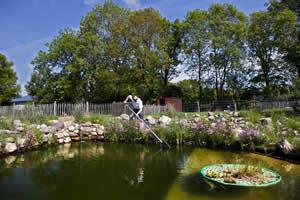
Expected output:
{"points": [[152, 100]]}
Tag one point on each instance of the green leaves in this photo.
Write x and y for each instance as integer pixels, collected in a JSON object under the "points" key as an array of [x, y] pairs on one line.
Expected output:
{"points": [[8, 81]]}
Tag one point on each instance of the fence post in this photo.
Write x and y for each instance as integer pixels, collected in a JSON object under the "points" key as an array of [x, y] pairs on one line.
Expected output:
{"points": [[13, 109], [198, 106], [87, 107], [234, 106], [54, 108], [32, 109]]}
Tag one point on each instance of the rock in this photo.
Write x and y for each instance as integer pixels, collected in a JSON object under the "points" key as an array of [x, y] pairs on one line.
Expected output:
{"points": [[165, 120], [9, 139], [59, 135], [75, 138], [17, 123], [94, 133], [211, 117], [57, 124], [223, 119], [196, 115], [67, 140], [285, 146], [212, 125], [66, 134], [87, 124], [183, 122], [60, 141], [266, 121], [94, 129], [76, 127], [73, 134], [44, 128], [210, 114], [101, 130], [67, 124], [20, 129], [86, 129], [10, 147], [21, 142], [71, 128], [151, 120], [197, 119], [236, 114], [125, 117]]}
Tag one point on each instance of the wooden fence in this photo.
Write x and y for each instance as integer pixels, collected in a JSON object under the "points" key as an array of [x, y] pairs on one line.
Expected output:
{"points": [[68, 109]]}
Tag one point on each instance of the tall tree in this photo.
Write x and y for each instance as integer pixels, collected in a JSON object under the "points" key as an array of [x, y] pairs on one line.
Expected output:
{"points": [[267, 33], [8, 81], [227, 28], [196, 45], [169, 49], [145, 29], [290, 48]]}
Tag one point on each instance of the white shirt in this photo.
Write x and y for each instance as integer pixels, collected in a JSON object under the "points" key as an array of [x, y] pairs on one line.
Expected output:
{"points": [[137, 104]]}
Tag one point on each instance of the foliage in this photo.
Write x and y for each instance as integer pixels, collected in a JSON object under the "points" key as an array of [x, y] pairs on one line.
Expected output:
{"points": [[267, 32], [8, 81], [117, 51], [38, 135]]}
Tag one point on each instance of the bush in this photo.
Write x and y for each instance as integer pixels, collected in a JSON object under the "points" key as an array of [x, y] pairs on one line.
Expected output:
{"points": [[38, 135]]}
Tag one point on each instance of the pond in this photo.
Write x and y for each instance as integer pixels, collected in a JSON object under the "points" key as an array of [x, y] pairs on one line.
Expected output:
{"points": [[134, 172]]}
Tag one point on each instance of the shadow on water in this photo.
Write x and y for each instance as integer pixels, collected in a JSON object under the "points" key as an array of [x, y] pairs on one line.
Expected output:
{"points": [[197, 185]]}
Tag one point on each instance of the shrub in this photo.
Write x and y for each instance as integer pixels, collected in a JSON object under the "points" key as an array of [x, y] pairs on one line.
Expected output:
{"points": [[38, 135]]}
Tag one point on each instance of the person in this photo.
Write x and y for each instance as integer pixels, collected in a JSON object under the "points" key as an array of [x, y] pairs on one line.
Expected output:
{"points": [[137, 105]]}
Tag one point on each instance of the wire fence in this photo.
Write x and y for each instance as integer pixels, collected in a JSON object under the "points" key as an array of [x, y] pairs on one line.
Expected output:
{"points": [[238, 105]]}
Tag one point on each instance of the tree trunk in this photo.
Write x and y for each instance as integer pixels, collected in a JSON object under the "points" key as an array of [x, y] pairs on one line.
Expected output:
{"points": [[200, 85]]}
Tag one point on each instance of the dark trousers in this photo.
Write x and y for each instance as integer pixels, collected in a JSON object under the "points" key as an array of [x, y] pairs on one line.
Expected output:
{"points": [[141, 115]]}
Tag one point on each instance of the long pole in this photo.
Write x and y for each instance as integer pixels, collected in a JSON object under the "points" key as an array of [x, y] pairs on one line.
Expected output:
{"points": [[160, 140]]}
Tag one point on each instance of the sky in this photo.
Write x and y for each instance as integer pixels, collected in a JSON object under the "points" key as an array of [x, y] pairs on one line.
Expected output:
{"points": [[27, 25]]}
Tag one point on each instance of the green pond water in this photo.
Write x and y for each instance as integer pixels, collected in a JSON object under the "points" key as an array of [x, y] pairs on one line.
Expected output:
{"points": [[134, 172]]}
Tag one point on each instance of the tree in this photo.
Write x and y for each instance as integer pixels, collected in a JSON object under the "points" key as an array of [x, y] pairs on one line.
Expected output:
{"points": [[145, 29], [267, 33], [57, 74], [169, 50], [196, 45], [227, 28], [8, 81], [290, 48]]}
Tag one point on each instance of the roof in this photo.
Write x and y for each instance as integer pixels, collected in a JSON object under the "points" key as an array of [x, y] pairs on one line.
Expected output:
{"points": [[22, 99]]}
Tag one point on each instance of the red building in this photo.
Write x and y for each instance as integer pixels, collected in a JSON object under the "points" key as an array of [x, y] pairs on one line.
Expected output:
{"points": [[174, 101]]}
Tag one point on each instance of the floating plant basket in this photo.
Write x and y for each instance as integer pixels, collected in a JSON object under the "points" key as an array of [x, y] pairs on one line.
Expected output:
{"points": [[240, 175]]}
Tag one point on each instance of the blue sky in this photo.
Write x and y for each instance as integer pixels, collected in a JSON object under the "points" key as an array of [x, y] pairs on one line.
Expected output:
{"points": [[27, 25]]}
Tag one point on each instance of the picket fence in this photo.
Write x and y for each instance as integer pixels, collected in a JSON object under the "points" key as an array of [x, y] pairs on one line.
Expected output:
{"points": [[68, 109]]}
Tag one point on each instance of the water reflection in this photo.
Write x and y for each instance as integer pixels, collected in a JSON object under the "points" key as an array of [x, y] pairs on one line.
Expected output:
{"points": [[113, 171]]}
